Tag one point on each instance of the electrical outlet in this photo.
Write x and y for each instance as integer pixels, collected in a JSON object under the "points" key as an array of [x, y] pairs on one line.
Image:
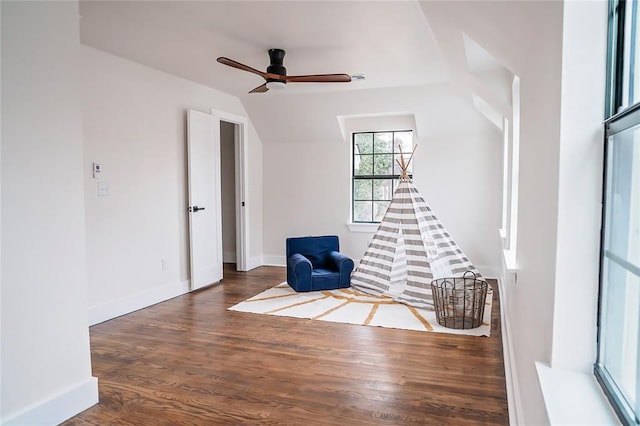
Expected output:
{"points": [[104, 189]]}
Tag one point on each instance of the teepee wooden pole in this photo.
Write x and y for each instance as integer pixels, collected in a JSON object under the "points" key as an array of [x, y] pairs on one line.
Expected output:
{"points": [[411, 156], [404, 166]]}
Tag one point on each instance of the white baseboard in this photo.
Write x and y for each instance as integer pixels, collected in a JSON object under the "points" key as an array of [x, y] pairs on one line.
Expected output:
{"points": [[274, 261], [59, 408], [510, 372], [254, 262], [282, 261], [485, 270], [126, 305]]}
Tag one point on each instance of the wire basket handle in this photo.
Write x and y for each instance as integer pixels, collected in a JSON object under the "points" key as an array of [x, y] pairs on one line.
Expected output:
{"points": [[474, 276]]}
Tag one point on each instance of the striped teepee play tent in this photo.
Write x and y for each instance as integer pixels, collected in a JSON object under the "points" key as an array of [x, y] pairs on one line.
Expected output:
{"points": [[409, 250]]}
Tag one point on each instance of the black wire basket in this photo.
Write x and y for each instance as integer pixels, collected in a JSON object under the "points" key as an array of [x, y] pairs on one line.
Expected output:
{"points": [[459, 301]]}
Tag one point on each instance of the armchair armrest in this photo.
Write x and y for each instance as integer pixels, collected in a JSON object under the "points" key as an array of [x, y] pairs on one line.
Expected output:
{"points": [[338, 260], [342, 264], [297, 260], [299, 272]]}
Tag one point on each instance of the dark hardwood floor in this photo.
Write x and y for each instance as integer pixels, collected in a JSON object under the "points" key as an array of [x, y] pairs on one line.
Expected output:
{"points": [[190, 361]]}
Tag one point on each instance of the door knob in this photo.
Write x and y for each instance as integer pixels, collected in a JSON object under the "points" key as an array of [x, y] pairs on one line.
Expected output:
{"points": [[195, 209]]}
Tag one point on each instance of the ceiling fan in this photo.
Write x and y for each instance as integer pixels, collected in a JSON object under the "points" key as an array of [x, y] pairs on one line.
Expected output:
{"points": [[276, 76]]}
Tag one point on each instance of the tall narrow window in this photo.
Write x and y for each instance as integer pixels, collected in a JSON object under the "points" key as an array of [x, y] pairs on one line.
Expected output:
{"points": [[618, 358], [376, 172]]}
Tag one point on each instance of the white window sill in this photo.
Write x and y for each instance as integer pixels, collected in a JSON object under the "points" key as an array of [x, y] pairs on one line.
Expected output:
{"points": [[510, 260], [573, 398], [363, 227], [510, 267], [503, 236]]}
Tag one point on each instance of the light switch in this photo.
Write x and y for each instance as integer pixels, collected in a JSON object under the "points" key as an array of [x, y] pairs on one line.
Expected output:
{"points": [[104, 189], [97, 170]]}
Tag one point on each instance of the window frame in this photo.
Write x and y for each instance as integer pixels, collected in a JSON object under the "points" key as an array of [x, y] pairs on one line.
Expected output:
{"points": [[625, 412], [393, 177], [619, 117]]}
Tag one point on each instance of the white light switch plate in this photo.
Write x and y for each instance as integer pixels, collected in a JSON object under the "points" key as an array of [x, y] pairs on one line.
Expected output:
{"points": [[97, 170]]}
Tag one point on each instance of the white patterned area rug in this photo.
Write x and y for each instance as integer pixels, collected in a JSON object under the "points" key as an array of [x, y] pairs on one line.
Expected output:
{"points": [[353, 307]]}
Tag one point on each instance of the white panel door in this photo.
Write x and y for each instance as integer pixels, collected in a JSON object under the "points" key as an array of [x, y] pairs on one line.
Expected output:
{"points": [[205, 211]]}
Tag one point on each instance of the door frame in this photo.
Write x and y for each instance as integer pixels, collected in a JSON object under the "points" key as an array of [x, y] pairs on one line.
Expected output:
{"points": [[241, 144]]}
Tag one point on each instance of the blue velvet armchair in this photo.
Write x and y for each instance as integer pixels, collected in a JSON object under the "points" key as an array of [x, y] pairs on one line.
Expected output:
{"points": [[315, 263]]}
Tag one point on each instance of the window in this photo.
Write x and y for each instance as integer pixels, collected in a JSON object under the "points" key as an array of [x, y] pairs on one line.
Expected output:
{"points": [[620, 269], [618, 358], [627, 86], [376, 172], [511, 176]]}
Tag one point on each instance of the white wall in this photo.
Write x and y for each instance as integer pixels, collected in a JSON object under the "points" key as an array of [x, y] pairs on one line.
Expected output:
{"points": [[580, 185], [46, 365], [306, 190], [134, 125], [456, 168]]}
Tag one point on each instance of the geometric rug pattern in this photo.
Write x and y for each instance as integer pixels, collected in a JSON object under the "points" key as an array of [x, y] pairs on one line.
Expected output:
{"points": [[348, 305]]}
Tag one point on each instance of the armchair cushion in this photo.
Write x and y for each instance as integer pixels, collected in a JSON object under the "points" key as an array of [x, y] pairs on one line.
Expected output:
{"points": [[315, 263]]}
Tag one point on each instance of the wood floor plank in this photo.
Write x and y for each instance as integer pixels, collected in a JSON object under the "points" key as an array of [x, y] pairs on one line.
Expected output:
{"points": [[190, 361]]}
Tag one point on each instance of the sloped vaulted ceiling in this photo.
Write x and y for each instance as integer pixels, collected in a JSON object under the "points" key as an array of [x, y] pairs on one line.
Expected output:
{"points": [[392, 43]]}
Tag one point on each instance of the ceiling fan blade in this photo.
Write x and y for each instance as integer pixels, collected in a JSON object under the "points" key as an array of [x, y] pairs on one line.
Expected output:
{"points": [[276, 72], [260, 89], [319, 78], [238, 65]]}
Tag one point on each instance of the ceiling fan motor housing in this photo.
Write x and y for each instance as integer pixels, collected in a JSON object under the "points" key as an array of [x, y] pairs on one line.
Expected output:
{"points": [[276, 57]]}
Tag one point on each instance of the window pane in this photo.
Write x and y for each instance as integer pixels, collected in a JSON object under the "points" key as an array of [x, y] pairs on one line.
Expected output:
{"points": [[363, 143], [362, 211], [379, 209], [405, 140], [620, 287], [362, 189], [383, 164], [383, 143], [397, 170], [618, 363], [631, 58], [363, 165], [396, 182], [623, 207], [382, 189], [619, 341]]}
